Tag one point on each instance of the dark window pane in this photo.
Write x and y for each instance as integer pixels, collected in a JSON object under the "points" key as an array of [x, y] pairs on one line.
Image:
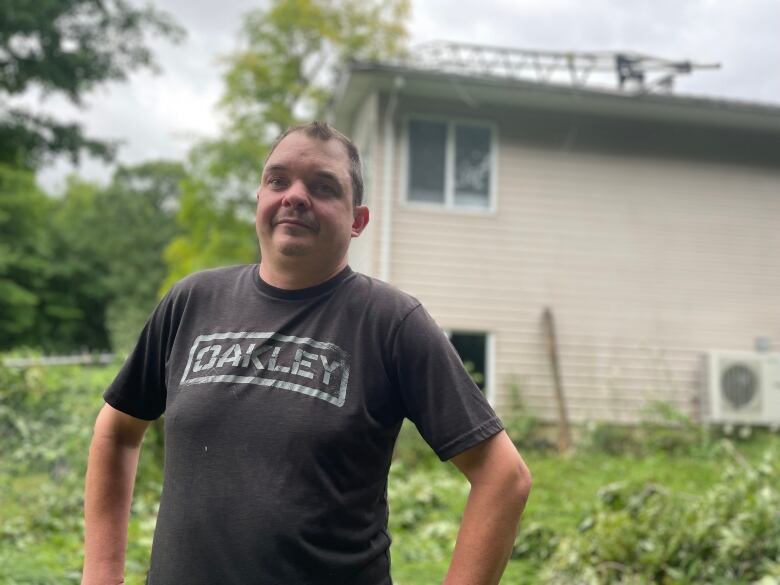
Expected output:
{"points": [[471, 348], [472, 166], [427, 145]]}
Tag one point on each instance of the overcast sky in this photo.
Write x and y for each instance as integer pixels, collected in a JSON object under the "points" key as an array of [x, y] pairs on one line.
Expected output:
{"points": [[158, 116]]}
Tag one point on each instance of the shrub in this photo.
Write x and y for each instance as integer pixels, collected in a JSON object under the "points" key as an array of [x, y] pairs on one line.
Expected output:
{"points": [[663, 428], [645, 534], [535, 542], [423, 520], [609, 438], [525, 430], [46, 420]]}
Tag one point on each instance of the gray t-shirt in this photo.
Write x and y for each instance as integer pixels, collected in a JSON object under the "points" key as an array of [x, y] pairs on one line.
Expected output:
{"points": [[282, 409]]}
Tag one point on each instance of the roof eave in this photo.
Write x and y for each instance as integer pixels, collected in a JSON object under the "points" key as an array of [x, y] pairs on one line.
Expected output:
{"points": [[362, 77]]}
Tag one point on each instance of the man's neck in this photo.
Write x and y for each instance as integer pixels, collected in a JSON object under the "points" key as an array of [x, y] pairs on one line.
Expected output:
{"points": [[295, 276]]}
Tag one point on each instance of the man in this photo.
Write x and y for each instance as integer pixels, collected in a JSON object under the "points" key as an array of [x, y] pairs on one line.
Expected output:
{"points": [[284, 387]]}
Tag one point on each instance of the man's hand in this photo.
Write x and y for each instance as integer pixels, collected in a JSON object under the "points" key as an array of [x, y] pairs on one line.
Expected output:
{"points": [[113, 460], [500, 484]]}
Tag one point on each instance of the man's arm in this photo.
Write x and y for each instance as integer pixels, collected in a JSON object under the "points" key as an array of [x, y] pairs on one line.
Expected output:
{"points": [[113, 461], [500, 483]]}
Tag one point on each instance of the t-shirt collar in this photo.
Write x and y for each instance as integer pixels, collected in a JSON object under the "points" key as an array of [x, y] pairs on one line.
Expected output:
{"points": [[300, 293]]}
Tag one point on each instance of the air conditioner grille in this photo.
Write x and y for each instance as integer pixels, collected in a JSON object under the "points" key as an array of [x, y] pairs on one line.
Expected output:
{"points": [[739, 385]]}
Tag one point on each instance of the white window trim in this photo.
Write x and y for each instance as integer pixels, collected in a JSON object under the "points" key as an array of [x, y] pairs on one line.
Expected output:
{"points": [[490, 359], [449, 205]]}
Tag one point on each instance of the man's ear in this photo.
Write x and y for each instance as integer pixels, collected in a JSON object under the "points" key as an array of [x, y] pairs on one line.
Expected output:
{"points": [[360, 220]]}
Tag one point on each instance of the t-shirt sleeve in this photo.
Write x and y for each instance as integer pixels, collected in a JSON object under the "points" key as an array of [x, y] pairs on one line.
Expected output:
{"points": [[139, 388], [439, 396]]}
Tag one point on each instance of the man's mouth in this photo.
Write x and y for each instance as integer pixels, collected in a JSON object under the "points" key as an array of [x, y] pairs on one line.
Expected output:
{"points": [[293, 221]]}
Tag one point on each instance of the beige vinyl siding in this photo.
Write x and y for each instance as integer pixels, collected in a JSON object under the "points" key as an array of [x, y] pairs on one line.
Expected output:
{"points": [[365, 251], [363, 133], [646, 262]]}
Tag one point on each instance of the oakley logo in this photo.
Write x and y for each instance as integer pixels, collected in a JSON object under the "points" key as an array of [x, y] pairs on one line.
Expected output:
{"points": [[299, 364]]}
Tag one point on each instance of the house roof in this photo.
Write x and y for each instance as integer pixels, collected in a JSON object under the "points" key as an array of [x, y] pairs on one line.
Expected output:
{"points": [[361, 78]]}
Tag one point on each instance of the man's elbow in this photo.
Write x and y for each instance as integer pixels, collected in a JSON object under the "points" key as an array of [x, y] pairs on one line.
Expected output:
{"points": [[519, 483], [497, 470]]}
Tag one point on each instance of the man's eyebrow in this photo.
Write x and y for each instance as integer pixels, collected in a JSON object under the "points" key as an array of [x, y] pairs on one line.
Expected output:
{"points": [[328, 175], [276, 167], [321, 173]]}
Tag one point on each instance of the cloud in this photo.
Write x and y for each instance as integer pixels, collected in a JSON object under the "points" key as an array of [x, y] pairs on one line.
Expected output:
{"points": [[740, 35]]}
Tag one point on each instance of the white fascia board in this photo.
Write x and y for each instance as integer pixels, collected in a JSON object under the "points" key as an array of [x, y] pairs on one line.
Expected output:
{"points": [[531, 95]]}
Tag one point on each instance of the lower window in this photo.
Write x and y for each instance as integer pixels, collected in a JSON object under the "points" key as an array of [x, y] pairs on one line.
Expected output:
{"points": [[472, 349]]}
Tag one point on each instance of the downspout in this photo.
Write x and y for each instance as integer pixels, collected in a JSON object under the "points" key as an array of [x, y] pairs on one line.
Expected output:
{"points": [[387, 183]]}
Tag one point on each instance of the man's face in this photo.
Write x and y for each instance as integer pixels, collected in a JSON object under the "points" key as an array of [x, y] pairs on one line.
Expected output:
{"points": [[304, 203]]}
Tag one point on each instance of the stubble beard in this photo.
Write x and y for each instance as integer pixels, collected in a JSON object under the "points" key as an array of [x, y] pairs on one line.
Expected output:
{"points": [[300, 245], [294, 250]]}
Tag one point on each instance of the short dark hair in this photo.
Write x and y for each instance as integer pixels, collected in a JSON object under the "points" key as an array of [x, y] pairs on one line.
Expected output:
{"points": [[323, 131]]}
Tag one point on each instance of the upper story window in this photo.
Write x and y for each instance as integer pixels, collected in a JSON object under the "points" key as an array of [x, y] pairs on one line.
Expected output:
{"points": [[450, 163]]}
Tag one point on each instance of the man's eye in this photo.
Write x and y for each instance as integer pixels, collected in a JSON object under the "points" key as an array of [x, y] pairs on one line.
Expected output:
{"points": [[276, 182], [326, 188]]}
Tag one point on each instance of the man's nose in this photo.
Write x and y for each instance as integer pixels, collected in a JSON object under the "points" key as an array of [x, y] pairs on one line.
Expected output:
{"points": [[297, 195]]}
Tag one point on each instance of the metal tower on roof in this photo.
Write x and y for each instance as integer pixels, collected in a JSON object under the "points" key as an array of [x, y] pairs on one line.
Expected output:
{"points": [[630, 71]]}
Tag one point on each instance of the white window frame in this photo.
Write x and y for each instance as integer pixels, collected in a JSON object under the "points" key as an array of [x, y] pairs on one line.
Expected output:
{"points": [[490, 357], [449, 204]]}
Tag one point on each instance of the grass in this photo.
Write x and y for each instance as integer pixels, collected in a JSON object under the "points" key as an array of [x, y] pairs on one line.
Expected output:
{"points": [[45, 428]]}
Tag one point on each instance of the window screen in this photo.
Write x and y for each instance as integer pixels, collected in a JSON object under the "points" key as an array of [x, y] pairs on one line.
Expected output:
{"points": [[472, 166]]}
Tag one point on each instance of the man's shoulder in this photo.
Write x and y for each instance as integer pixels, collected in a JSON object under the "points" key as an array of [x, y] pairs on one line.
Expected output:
{"points": [[211, 280], [382, 295]]}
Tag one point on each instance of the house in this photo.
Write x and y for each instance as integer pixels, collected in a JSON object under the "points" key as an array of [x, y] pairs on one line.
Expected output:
{"points": [[648, 223]]}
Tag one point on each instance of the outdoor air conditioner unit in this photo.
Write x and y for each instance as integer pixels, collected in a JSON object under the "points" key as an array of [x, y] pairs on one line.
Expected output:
{"points": [[742, 387]]}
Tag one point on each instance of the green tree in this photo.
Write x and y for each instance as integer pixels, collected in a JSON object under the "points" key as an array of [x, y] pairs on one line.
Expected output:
{"points": [[283, 73], [52, 289], [83, 271], [108, 244], [73, 293], [215, 235], [138, 212], [23, 214], [287, 65], [66, 47]]}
